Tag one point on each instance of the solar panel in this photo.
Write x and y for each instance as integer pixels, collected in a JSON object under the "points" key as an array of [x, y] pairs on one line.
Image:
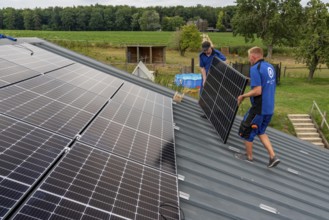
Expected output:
{"points": [[127, 171], [219, 96], [92, 184], [89, 79], [11, 73], [26, 152], [145, 100], [41, 61], [134, 134], [51, 104]]}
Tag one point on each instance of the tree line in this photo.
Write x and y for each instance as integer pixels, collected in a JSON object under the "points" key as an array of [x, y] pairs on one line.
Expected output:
{"points": [[113, 18]]}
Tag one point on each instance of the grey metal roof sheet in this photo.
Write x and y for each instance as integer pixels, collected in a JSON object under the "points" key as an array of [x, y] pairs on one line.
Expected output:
{"points": [[222, 187]]}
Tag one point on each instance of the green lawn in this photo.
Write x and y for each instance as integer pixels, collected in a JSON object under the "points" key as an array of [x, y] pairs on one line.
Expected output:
{"points": [[113, 38], [225, 39], [121, 38]]}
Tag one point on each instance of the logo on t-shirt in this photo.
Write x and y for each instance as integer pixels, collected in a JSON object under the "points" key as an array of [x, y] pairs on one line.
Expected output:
{"points": [[270, 72]]}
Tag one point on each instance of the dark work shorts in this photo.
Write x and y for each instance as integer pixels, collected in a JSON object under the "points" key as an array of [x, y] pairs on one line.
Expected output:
{"points": [[261, 121]]}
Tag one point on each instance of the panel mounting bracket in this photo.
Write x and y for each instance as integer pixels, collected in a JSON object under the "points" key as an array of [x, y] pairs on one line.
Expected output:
{"points": [[78, 136], [184, 195], [176, 128], [181, 177]]}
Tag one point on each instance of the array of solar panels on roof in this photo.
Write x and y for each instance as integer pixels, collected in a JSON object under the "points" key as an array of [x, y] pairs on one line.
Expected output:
{"points": [[219, 96], [77, 143]]}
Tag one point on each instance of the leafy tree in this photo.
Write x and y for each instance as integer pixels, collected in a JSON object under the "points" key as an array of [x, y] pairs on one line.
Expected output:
{"points": [[83, 18], [149, 21], [9, 18], [134, 22], [314, 46], [1, 19], [55, 22], [96, 19], [67, 16], [123, 18], [28, 19], [109, 18], [229, 12], [273, 21], [189, 38], [172, 23], [220, 19], [37, 19]]}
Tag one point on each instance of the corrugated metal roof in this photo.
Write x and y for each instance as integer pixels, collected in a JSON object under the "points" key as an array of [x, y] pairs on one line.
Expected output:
{"points": [[222, 187]]}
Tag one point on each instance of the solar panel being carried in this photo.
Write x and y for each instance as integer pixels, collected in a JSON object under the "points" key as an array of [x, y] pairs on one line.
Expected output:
{"points": [[219, 96]]}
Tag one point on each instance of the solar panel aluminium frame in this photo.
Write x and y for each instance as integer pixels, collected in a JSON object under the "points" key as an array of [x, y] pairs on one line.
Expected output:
{"points": [[218, 99]]}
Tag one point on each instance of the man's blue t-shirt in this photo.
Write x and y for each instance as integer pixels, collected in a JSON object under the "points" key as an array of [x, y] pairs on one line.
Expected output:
{"points": [[263, 74], [205, 61]]}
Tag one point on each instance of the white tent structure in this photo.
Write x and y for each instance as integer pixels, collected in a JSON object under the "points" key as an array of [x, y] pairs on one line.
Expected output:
{"points": [[142, 71]]}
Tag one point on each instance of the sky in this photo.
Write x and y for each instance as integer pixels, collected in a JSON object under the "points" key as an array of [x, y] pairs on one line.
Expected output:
{"points": [[137, 3]]}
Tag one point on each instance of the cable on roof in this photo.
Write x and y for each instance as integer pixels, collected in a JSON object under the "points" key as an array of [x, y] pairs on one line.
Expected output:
{"points": [[24, 47]]}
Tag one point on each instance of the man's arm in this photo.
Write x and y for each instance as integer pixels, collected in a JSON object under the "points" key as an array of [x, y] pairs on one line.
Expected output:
{"points": [[204, 74], [220, 55], [256, 91]]}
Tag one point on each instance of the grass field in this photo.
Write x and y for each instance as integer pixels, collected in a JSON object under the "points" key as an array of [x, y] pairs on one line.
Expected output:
{"points": [[121, 38], [110, 38], [295, 94]]}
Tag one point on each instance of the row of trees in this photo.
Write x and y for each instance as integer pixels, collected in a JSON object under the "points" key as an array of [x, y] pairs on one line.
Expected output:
{"points": [[286, 22], [111, 18]]}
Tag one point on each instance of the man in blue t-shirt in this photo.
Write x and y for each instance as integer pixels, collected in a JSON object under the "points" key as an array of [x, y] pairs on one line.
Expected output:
{"points": [[262, 95], [205, 58]]}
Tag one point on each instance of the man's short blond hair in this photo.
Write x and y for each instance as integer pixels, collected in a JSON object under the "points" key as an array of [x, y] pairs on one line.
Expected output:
{"points": [[256, 50]]}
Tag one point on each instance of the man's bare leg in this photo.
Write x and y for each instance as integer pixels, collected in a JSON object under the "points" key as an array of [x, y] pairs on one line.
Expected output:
{"points": [[267, 144], [248, 149]]}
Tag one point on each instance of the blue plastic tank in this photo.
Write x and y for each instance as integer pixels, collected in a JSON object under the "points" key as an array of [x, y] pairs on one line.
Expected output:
{"points": [[188, 80]]}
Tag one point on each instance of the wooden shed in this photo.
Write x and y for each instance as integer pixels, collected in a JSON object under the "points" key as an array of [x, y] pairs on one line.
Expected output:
{"points": [[146, 54]]}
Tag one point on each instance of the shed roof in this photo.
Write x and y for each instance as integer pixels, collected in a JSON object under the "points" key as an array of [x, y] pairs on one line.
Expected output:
{"points": [[222, 187]]}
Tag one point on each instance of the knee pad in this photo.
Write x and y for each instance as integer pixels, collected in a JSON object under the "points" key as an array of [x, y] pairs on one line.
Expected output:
{"points": [[245, 130]]}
